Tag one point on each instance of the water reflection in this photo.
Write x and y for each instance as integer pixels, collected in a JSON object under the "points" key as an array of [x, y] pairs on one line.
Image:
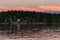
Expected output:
{"points": [[14, 31]]}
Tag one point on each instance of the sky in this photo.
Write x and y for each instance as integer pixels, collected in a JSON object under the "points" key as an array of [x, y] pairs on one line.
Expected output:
{"points": [[30, 4]]}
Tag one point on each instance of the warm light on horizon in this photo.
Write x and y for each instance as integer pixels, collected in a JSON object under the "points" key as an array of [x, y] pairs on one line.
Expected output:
{"points": [[30, 5], [37, 8]]}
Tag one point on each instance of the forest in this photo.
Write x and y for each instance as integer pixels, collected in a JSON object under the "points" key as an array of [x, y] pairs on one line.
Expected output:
{"points": [[28, 17]]}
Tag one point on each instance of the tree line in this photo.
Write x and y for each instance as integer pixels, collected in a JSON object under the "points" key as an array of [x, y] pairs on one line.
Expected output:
{"points": [[29, 16]]}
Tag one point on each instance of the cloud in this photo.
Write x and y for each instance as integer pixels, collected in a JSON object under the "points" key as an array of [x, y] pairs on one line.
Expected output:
{"points": [[37, 8], [57, 4], [50, 8]]}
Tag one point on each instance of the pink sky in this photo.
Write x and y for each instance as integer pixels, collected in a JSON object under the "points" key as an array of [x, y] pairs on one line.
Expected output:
{"points": [[36, 8], [30, 5]]}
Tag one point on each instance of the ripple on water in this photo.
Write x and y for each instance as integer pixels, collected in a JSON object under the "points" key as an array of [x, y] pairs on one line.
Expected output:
{"points": [[43, 35]]}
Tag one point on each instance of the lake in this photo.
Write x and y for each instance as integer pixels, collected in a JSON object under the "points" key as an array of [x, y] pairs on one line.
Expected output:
{"points": [[29, 32]]}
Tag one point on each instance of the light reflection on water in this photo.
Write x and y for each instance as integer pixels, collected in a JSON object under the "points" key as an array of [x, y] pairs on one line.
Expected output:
{"points": [[31, 34]]}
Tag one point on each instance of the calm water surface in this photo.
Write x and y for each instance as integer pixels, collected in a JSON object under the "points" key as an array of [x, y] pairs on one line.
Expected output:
{"points": [[33, 32]]}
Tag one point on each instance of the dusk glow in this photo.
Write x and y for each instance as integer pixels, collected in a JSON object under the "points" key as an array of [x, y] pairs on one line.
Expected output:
{"points": [[30, 5], [37, 8], [29, 19]]}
